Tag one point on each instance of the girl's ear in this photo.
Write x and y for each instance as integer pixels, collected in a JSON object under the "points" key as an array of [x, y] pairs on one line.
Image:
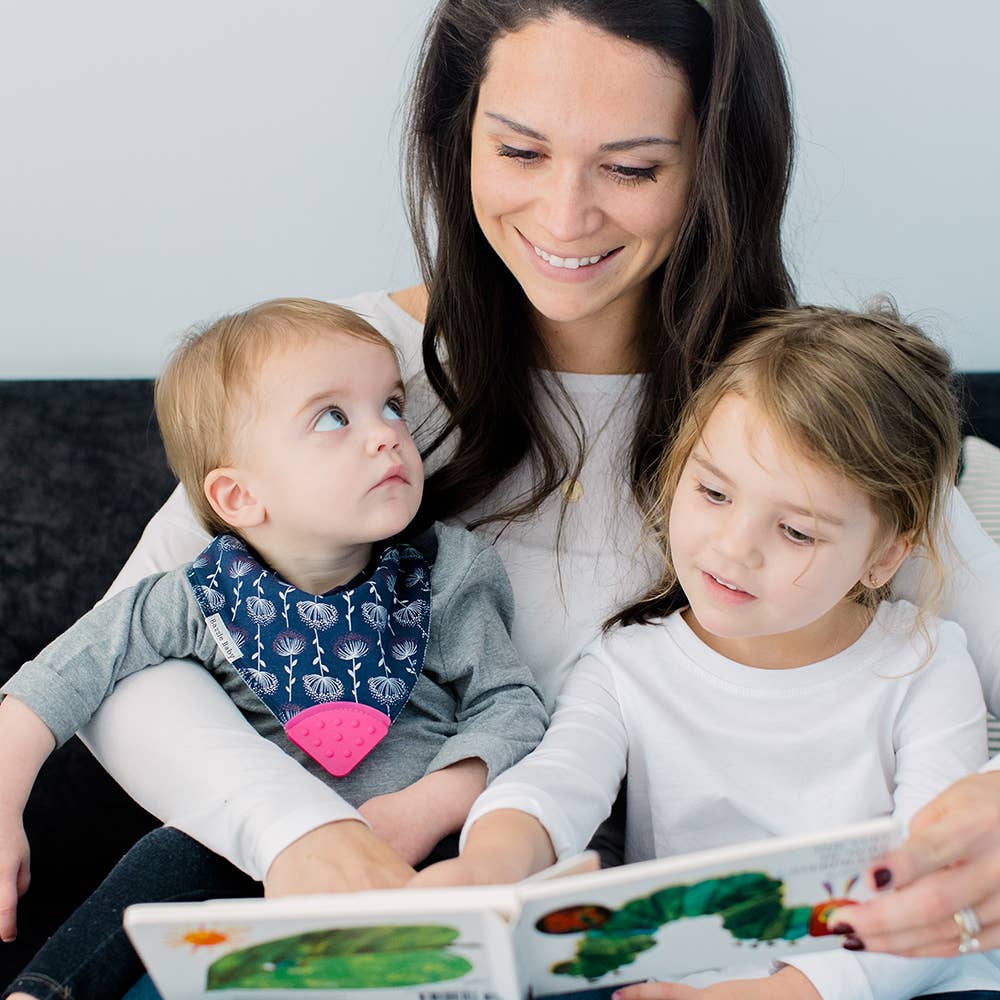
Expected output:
{"points": [[230, 497], [883, 569]]}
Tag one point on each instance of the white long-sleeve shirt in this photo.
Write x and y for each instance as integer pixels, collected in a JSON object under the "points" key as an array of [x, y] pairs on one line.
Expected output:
{"points": [[719, 753], [202, 769]]}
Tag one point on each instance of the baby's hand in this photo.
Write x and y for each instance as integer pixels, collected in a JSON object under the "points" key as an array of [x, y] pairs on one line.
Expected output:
{"points": [[413, 820], [788, 984], [339, 857], [15, 872], [404, 821]]}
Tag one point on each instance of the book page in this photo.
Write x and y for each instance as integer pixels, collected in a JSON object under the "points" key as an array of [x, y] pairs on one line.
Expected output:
{"points": [[740, 907], [335, 946]]}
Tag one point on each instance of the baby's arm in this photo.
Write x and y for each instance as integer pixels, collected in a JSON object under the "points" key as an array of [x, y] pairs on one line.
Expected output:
{"points": [[25, 742], [498, 710]]}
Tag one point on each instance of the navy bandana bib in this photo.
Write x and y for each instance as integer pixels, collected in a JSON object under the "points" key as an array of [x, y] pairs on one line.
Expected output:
{"points": [[335, 669]]}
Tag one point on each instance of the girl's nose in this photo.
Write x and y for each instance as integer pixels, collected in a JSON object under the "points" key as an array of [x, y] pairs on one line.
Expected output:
{"points": [[566, 207], [736, 541]]}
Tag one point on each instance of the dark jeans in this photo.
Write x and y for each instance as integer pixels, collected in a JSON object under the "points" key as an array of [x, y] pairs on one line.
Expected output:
{"points": [[90, 955]]}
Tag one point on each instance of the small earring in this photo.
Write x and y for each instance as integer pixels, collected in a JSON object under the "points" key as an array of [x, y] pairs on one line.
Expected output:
{"points": [[873, 581]]}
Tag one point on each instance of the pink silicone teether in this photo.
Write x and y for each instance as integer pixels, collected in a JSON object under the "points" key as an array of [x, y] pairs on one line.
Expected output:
{"points": [[337, 735]]}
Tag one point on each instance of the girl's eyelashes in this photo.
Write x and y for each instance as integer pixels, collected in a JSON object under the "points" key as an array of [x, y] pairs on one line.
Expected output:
{"points": [[712, 496], [796, 536], [332, 418], [618, 172]]}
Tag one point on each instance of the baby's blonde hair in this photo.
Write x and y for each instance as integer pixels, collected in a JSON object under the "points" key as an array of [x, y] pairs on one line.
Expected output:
{"points": [[861, 393], [211, 376]]}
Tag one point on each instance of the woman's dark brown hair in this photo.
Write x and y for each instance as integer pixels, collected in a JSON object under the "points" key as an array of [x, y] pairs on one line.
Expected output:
{"points": [[481, 351]]}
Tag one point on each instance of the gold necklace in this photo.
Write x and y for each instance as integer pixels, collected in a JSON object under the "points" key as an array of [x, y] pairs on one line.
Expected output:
{"points": [[571, 487]]}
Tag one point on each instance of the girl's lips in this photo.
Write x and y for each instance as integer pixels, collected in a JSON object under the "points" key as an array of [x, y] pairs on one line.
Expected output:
{"points": [[722, 593], [571, 275]]}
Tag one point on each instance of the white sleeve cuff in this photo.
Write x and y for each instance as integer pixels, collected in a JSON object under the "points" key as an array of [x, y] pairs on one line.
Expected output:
{"points": [[836, 975], [526, 799]]}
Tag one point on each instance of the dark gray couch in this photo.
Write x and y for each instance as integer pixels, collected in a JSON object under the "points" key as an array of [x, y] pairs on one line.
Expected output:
{"points": [[82, 471]]}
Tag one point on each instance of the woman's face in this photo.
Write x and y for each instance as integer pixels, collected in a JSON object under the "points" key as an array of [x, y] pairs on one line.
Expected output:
{"points": [[583, 146]]}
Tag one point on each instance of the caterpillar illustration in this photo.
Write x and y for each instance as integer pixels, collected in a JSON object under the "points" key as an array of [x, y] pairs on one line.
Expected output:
{"points": [[751, 905]]}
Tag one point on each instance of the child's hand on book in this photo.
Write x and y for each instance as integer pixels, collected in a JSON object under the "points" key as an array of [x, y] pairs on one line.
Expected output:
{"points": [[501, 847], [788, 984], [15, 872], [338, 857]]}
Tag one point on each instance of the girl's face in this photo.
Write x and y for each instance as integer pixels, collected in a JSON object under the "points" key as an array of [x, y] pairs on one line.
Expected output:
{"points": [[583, 146], [766, 544]]}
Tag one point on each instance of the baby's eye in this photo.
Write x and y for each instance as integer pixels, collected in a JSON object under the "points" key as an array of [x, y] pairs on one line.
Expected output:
{"points": [[712, 496], [331, 419], [796, 536], [393, 409]]}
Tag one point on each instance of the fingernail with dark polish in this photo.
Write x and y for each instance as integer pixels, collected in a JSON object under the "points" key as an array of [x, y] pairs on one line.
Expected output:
{"points": [[842, 929], [882, 877], [852, 943]]}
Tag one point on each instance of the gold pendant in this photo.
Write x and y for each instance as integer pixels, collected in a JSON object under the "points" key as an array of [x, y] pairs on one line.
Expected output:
{"points": [[572, 489]]}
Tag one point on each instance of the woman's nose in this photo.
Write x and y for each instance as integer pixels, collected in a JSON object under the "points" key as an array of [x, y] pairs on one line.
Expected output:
{"points": [[567, 208]]}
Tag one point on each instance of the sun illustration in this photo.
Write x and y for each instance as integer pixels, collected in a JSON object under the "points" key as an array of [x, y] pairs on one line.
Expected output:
{"points": [[205, 937]]}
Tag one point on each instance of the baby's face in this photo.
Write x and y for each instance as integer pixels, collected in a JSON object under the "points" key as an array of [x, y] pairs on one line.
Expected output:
{"points": [[326, 448]]}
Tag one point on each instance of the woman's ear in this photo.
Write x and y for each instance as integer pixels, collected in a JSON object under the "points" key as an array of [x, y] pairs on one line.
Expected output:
{"points": [[228, 493], [889, 559]]}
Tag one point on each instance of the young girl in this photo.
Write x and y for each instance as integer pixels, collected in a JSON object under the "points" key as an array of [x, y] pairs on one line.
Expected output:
{"points": [[768, 684]]}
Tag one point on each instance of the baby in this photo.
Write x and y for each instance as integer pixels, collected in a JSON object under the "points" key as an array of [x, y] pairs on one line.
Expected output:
{"points": [[383, 665]]}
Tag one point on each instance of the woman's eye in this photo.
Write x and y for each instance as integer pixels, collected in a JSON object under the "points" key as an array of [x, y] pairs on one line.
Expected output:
{"points": [[712, 496], [796, 536], [525, 156], [393, 409], [631, 175], [332, 419]]}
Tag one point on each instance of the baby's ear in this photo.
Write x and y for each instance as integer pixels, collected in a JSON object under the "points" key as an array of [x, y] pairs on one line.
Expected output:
{"points": [[229, 494], [887, 561]]}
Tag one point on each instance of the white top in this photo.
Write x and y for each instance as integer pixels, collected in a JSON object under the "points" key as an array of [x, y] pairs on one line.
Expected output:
{"points": [[202, 769], [720, 753]]}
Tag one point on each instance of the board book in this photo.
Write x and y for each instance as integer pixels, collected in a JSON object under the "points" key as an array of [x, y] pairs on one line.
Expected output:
{"points": [[561, 936]]}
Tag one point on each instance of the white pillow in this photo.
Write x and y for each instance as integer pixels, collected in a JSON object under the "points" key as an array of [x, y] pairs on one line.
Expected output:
{"points": [[980, 483], [980, 486]]}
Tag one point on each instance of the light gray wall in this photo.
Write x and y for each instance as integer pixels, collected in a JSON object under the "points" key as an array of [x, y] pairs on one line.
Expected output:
{"points": [[163, 163]]}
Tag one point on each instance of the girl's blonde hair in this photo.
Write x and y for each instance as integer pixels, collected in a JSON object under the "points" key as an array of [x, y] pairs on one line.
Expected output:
{"points": [[202, 394], [862, 393]]}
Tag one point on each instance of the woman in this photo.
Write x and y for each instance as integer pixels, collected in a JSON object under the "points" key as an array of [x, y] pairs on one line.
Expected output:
{"points": [[627, 161]]}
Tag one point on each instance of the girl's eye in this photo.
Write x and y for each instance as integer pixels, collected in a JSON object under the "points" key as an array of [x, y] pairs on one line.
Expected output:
{"points": [[631, 175], [393, 409], [524, 156], [798, 537], [331, 419], [712, 496]]}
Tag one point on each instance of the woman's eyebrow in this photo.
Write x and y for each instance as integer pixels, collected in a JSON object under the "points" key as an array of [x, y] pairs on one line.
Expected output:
{"points": [[618, 146]]}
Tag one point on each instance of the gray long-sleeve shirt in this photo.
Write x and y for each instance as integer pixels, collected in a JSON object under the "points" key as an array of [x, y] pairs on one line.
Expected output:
{"points": [[474, 698]]}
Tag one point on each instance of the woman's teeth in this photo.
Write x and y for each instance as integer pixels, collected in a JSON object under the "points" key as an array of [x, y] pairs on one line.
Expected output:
{"points": [[728, 586], [571, 262]]}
